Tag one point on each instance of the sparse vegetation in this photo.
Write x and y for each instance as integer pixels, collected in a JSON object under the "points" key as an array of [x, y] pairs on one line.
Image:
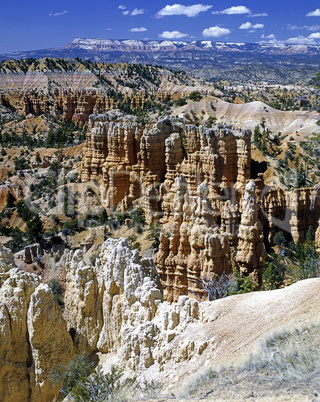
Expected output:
{"points": [[80, 382]]}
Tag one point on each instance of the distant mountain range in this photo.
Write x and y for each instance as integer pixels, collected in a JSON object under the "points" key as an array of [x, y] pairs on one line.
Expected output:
{"points": [[206, 59], [107, 45]]}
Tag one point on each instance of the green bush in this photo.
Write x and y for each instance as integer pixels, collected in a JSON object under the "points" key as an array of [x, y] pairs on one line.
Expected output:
{"points": [[195, 96], [274, 270], [82, 384], [75, 372], [241, 284], [10, 200], [154, 235], [57, 290], [34, 227]]}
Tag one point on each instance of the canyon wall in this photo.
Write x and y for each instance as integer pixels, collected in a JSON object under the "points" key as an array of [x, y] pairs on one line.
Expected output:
{"points": [[33, 335], [115, 306], [136, 162], [195, 181]]}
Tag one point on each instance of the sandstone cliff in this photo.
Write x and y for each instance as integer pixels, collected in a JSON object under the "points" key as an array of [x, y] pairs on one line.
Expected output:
{"points": [[117, 306], [137, 162], [33, 335]]}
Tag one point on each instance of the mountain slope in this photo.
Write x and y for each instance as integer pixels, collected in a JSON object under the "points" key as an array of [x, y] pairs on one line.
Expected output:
{"points": [[276, 63]]}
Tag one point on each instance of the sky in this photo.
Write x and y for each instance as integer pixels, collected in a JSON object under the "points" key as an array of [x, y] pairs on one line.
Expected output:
{"points": [[38, 24]]}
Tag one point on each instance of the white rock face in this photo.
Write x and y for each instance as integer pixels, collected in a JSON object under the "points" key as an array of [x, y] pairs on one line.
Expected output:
{"points": [[117, 307]]}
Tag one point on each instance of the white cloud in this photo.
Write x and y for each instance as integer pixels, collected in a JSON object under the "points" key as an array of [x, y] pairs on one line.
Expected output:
{"points": [[307, 27], [314, 35], [172, 35], [215, 32], [315, 13], [179, 9], [300, 40], [258, 15], [313, 28], [234, 10], [271, 36], [142, 29], [136, 11], [57, 14], [121, 7], [108, 29], [248, 25]]}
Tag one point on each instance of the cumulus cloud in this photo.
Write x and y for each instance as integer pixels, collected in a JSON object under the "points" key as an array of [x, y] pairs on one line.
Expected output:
{"points": [[142, 29], [315, 13], [121, 7], [271, 36], [215, 32], [300, 40], [57, 14], [248, 25], [258, 15], [172, 35], [136, 11], [234, 10], [314, 35], [179, 9]]}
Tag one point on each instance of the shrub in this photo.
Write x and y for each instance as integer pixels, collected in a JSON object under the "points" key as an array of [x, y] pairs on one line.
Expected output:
{"points": [[154, 235], [82, 384], [75, 372], [23, 211], [138, 219], [34, 227], [195, 96], [57, 290], [241, 284], [180, 102], [273, 272], [214, 288], [10, 200]]}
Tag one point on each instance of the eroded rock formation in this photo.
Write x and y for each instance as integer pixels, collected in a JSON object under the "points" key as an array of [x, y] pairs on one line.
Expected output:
{"points": [[33, 335], [135, 162], [128, 315], [250, 252], [195, 247]]}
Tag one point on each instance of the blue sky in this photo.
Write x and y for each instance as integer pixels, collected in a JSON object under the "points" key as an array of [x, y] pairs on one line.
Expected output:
{"points": [[37, 24]]}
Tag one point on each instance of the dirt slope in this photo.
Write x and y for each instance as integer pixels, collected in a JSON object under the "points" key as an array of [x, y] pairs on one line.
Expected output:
{"points": [[249, 115], [234, 327]]}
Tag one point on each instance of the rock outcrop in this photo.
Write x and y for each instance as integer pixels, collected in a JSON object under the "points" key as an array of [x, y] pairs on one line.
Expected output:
{"points": [[195, 247], [117, 306], [250, 252], [33, 335], [137, 162]]}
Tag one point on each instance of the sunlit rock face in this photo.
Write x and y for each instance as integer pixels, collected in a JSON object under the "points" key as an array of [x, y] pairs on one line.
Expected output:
{"points": [[33, 334], [135, 162]]}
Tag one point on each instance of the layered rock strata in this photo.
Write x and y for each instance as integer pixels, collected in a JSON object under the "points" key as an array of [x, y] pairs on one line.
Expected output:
{"points": [[195, 247], [250, 251], [135, 162]]}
